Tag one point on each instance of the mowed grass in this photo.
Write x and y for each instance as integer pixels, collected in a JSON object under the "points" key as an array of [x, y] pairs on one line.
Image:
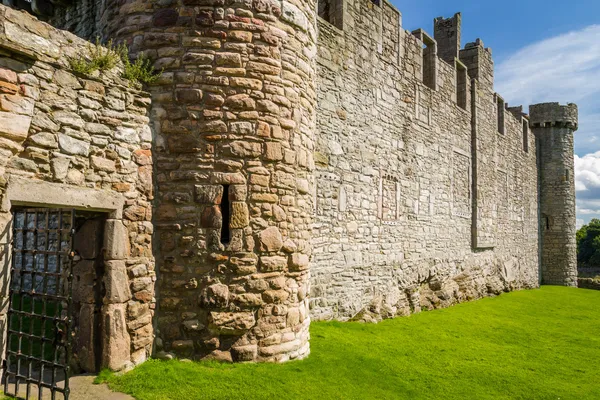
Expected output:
{"points": [[537, 344]]}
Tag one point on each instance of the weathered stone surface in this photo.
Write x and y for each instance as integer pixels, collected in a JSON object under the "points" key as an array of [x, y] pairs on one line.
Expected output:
{"points": [[44, 139], [211, 217], [116, 283], [103, 164], [271, 239], [73, 146], [273, 151], [189, 95], [215, 296], [68, 118], [299, 262], [208, 194], [270, 264], [244, 353], [239, 215], [231, 323], [115, 338], [128, 135], [193, 325], [14, 126], [116, 241]]}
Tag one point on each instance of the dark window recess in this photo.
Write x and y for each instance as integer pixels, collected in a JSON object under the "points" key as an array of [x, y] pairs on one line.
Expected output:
{"points": [[225, 212], [376, 2], [525, 135], [429, 62], [332, 11], [546, 220], [567, 175], [461, 85], [500, 104]]}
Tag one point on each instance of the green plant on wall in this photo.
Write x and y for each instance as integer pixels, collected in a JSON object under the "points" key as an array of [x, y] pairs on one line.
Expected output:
{"points": [[105, 58], [140, 70], [102, 58]]}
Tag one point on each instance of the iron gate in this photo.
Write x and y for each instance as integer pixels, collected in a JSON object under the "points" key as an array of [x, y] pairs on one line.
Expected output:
{"points": [[38, 347]]}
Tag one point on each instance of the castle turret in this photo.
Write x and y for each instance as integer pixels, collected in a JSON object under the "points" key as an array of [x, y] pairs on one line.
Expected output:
{"points": [[554, 126], [234, 119], [447, 32]]}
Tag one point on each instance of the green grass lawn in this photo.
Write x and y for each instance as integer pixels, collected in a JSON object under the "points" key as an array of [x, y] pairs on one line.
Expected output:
{"points": [[538, 344]]}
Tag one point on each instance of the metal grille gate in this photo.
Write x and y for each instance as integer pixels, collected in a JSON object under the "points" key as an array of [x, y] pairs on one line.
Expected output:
{"points": [[38, 348]]}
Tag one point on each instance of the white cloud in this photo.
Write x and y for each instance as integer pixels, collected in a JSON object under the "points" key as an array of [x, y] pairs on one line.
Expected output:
{"points": [[564, 68], [587, 185]]}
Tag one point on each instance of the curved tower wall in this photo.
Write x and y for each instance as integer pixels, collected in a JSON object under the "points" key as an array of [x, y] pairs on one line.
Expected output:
{"points": [[234, 119], [554, 126]]}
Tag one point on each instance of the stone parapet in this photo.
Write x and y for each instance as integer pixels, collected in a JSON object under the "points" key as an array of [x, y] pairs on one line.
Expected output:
{"points": [[554, 114]]}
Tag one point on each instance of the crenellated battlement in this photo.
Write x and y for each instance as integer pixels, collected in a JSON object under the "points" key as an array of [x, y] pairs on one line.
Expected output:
{"points": [[554, 114]]}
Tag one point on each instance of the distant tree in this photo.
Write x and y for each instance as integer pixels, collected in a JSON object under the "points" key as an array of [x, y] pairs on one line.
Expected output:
{"points": [[588, 244]]}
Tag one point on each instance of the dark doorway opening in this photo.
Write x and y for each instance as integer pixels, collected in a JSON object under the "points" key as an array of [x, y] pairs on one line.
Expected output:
{"points": [[55, 295], [88, 291]]}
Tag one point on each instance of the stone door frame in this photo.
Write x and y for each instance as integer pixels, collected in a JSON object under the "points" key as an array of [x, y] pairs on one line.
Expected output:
{"points": [[29, 192]]}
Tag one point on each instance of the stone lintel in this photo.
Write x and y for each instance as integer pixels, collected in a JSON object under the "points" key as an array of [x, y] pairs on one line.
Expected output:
{"points": [[30, 192]]}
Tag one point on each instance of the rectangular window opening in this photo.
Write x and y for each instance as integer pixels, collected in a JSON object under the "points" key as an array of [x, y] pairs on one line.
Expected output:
{"points": [[500, 104], [461, 85], [225, 213], [332, 11], [525, 135], [429, 62]]}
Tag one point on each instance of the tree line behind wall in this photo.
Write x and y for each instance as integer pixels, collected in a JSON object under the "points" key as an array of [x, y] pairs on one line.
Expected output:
{"points": [[588, 248]]}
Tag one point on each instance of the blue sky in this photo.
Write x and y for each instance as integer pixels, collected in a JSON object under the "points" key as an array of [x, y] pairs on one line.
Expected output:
{"points": [[544, 50]]}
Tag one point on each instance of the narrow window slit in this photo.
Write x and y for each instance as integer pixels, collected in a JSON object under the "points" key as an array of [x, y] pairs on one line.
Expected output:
{"points": [[461, 85], [525, 135], [500, 104], [225, 213], [429, 63]]}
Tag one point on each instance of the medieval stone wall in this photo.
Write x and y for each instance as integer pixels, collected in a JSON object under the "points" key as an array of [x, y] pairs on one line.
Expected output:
{"points": [[68, 140], [382, 156], [395, 229]]}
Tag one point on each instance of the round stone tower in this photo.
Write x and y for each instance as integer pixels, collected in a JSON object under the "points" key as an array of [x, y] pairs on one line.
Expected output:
{"points": [[554, 126], [234, 122]]}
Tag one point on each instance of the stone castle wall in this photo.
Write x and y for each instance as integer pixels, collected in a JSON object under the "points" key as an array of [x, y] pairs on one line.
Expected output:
{"points": [[68, 140], [396, 173], [311, 170]]}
